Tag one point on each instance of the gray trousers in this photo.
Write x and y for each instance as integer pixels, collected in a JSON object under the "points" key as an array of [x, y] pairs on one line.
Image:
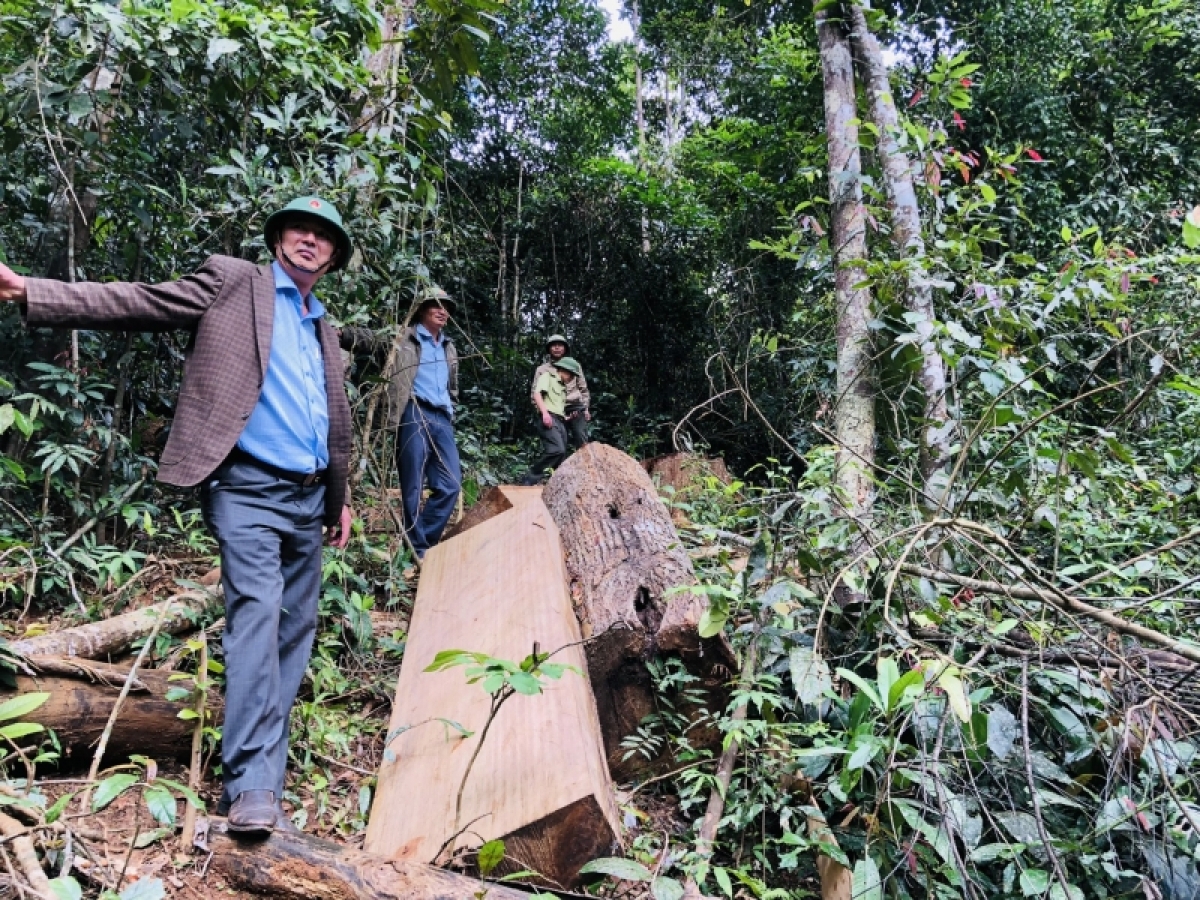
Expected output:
{"points": [[554, 445], [269, 534], [577, 426]]}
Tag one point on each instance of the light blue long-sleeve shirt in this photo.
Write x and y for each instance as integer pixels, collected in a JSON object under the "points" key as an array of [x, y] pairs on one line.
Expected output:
{"points": [[432, 382], [289, 427]]}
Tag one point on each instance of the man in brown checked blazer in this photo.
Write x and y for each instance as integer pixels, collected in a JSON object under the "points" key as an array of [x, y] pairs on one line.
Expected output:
{"points": [[262, 425]]}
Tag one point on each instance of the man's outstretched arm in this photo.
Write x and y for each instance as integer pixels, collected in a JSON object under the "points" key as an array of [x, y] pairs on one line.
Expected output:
{"points": [[115, 305]]}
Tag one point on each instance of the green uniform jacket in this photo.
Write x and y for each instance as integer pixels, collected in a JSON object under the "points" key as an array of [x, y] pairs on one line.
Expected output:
{"points": [[553, 391], [404, 370], [577, 390]]}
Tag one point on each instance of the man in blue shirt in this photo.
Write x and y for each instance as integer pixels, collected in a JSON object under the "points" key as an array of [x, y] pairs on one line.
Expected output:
{"points": [[421, 393], [262, 425]]}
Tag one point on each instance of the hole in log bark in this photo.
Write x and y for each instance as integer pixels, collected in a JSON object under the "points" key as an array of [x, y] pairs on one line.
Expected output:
{"points": [[613, 512], [649, 613]]}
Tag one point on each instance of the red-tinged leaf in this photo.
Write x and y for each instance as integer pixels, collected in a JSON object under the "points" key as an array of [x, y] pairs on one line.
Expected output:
{"points": [[1034, 155], [958, 120], [966, 82], [966, 173], [1153, 280], [911, 859], [916, 98], [1130, 253], [1065, 267], [1125, 283]]}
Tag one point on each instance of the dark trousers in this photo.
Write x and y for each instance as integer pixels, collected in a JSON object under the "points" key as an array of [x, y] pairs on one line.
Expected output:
{"points": [[554, 445], [577, 426], [269, 533], [426, 452]]}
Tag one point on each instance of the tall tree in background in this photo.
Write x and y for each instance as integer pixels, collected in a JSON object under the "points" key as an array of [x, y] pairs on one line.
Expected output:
{"points": [[854, 413], [906, 234]]}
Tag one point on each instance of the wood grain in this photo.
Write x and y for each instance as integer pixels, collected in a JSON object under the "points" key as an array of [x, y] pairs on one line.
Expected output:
{"points": [[540, 780]]}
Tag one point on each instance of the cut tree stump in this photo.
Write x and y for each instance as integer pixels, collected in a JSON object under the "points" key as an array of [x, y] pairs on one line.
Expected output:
{"points": [[82, 695], [624, 557], [685, 471], [304, 867], [539, 782], [114, 637]]}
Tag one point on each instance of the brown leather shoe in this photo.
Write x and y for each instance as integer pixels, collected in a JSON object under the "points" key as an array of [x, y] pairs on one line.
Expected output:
{"points": [[284, 823], [253, 812]]}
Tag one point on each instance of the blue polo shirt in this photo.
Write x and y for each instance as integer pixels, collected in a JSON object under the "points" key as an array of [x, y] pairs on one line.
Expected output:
{"points": [[432, 383], [289, 427]]}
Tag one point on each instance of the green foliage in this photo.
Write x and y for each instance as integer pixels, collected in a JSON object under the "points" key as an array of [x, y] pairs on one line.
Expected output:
{"points": [[498, 676]]}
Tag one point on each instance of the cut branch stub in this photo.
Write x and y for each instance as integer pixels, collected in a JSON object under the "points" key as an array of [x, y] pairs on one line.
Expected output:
{"points": [[624, 558]]}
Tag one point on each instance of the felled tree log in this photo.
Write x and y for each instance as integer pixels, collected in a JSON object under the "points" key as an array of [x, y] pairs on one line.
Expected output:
{"points": [[539, 780], [308, 868], [623, 556], [113, 637], [81, 699]]}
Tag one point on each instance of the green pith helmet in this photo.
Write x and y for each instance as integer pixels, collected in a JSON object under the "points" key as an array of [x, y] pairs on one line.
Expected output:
{"points": [[315, 208], [432, 295], [569, 365], [557, 339]]}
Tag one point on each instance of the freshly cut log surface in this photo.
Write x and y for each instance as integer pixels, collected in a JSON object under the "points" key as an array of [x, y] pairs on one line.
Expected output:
{"points": [[82, 694], [309, 868], [624, 555], [540, 781], [113, 637]]}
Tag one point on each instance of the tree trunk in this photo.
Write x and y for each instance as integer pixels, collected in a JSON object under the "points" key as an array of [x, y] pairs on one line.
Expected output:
{"points": [[855, 410], [113, 637], [906, 235], [309, 868], [81, 699], [624, 556]]}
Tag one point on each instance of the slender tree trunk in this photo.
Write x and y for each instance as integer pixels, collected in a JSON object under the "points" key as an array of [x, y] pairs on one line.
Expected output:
{"points": [[855, 412], [641, 119], [516, 298], [906, 234]]}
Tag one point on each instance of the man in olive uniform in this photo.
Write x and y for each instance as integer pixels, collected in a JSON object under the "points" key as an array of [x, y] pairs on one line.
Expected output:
{"points": [[578, 412], [262, 425], [550, 397]]}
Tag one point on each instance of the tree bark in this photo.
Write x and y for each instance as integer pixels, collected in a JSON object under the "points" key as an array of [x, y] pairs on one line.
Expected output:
{"points": [[907, 236], [624, 558], [113, 637], [855, 409], [82, 696], [308, 868]]}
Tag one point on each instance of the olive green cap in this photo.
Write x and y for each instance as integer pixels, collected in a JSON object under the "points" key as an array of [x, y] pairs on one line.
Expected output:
{"points": [[569, 365], [432, 295], [557, 339], [315, 208]]}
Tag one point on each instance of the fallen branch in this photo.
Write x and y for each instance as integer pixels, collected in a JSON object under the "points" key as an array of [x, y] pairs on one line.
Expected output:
{"points": [[1061, 601], [113, 637], [307, 868], [17, 835]]}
